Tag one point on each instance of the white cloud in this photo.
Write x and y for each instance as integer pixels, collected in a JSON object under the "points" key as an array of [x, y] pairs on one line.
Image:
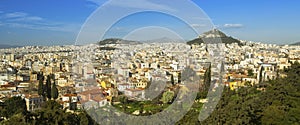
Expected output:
{"points": [[16, 15], [29, 18], [61, 27], [233, 26], [21, 16], [34, 18], [25, 20]]}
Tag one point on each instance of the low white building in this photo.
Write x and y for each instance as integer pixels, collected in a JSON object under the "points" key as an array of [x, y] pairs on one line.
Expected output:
{"points": [[95, 102], [70, 101], [135, 93], [33, 102], [123, 87]]}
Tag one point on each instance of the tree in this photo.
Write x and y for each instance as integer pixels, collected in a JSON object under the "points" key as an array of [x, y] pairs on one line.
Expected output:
{"points": [[250, 72], [203, 90], [260, 74], [51, 113], [60, 67], [167, 97], [83, 118], [16, 119], [273, 115], [278, 104], [54, 91], [179, 77], [71, 118], [12, 106], [48, 87], [172, 79], [41, 86], [207, 77], [124, 100]]}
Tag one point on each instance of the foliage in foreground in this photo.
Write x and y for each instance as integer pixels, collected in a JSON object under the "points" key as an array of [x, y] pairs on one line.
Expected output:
{"points": [[279, 103], [50, 114]]}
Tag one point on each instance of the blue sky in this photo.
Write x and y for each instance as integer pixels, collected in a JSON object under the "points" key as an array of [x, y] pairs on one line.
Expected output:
{"points": [[57, 22]]}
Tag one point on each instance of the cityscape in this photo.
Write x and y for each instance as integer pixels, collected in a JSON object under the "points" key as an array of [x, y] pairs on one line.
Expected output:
{"points": [[213, 78]]}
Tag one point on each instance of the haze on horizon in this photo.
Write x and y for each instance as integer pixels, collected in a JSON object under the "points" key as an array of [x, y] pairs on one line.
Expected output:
{"points": [[46, 22]]}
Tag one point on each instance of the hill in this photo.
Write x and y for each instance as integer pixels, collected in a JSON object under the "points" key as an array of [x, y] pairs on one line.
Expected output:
{"points": [[164, 40], [117, 41], [214, 36], [295, 44]]}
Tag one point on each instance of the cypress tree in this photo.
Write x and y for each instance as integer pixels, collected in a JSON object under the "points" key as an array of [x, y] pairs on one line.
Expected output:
{"points": [[172, 79], [41, 86], [54, 91], [48, 87], [207, 78], [260, 74]]}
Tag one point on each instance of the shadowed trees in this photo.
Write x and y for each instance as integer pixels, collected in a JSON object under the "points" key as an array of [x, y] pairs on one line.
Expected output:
{"points": [[54, 91]]}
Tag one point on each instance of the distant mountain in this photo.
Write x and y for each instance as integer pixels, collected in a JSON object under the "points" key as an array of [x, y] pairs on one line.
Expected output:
{"points": [[117, 41], [295, 44], [214, 36], [5, 46], [163, 40]]}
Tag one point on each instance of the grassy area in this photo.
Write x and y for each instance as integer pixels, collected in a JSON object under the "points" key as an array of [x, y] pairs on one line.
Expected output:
{"points": [[145, 107]]}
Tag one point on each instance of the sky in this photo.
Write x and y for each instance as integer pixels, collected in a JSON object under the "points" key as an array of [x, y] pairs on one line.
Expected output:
{"points": [[58, 22]]}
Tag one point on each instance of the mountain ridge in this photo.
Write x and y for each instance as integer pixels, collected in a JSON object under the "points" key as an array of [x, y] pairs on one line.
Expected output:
{"points": [[295, 44], [214, 36], [117, 41]]}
